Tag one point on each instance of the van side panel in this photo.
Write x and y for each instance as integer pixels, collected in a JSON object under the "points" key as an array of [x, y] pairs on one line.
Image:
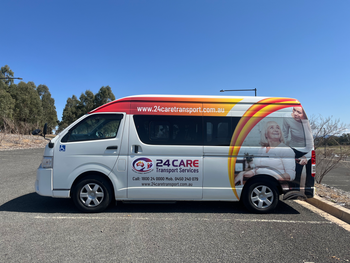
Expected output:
{"points": [[216, 183], [161, 171]]}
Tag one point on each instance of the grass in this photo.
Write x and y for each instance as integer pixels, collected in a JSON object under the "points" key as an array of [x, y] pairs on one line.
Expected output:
{"points": [[19, 141]]}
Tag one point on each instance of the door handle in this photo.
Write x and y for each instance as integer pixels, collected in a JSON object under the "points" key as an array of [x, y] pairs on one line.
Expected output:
{"points": [[136, 149], [113, 147]]}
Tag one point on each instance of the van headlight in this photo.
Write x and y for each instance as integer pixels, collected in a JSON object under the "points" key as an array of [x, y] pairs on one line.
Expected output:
{"points": [[46, 162]]}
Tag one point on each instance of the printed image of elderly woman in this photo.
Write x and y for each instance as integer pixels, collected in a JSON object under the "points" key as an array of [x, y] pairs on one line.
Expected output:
{"points": [[272, 141]]}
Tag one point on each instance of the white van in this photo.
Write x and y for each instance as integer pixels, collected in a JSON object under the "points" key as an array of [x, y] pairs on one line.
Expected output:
{"points": [[169, 148]]}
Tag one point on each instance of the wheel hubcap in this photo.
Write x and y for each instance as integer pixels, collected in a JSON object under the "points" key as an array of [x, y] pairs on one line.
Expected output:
{"points": [[262, 196], [91, 195]]}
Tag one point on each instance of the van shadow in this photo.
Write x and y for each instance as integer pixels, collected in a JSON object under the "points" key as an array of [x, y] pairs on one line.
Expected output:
{"points": [[219, 207], [34, 203]]}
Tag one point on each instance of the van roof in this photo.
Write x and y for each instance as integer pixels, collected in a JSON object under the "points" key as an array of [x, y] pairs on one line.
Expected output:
{"points": [[153, 97], [123, 104]]}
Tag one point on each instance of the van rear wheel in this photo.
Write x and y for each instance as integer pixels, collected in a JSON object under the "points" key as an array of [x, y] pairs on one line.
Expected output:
{"points": [[260, 197], [92, 194]]}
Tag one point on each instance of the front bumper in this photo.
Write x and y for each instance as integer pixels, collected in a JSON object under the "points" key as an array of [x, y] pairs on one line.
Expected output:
{"points": [[44, 182]]}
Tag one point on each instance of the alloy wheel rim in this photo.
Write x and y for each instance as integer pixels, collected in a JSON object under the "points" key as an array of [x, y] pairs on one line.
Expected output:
{"points": [[91, 195], [262, 197]]}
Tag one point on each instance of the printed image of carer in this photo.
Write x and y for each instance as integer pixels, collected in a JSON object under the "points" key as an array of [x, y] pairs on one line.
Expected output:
{"points": [[272, 144], [297, 133]]}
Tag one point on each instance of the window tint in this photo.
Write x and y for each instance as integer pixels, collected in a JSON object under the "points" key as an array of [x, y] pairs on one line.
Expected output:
{"points": [[219, 130], [159, 131], [185, 130], [169, 130], [94, 127]]}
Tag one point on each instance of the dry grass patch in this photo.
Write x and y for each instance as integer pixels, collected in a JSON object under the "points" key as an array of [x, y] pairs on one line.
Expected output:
{"points": [[18, 141], [333, 194]]}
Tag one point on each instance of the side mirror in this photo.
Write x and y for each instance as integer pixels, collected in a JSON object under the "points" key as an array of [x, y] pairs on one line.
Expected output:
{"points": [[45, 129]]}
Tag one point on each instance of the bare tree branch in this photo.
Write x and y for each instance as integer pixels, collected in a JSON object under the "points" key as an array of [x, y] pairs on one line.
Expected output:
{"points": [[325, 129]]}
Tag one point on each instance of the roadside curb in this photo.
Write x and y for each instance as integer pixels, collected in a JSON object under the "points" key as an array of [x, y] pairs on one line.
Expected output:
{"points": [[331, 208]]}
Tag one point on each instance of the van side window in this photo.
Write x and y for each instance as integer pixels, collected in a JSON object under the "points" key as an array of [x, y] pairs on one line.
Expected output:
{"points": [[169, 130], [219, 130], [159, 131], [94, 127]]}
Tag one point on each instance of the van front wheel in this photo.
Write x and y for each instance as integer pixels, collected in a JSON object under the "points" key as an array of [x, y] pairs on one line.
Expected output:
{"points": [[92, 194], [260, 197]]}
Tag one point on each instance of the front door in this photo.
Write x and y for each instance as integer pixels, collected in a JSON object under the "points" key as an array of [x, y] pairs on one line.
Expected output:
{"points": [[93, 144]]}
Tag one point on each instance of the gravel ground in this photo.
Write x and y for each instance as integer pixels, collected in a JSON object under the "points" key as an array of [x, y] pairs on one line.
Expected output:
{"points": [[15, 141], [333, 194]]}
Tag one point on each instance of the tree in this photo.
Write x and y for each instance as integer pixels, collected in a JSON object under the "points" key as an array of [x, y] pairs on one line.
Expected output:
{"points": [[326, 130], [6, 108], [70, 112], [6, 104], [103, 96], [49, 109], [6, 101], [86, 102], [28, 110], [344, 139], [5, 72], [22, 105], [75, 108]]}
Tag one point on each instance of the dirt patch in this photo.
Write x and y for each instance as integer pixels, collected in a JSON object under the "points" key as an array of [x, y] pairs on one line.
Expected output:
{"points": [[333, 194], [18, 141]]}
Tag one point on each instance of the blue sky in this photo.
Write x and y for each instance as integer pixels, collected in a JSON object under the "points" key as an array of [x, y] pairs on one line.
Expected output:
{"points": [[298, 49]]}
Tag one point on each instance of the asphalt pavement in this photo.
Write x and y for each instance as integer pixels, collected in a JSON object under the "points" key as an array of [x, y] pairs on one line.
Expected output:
{"points": [[35, 228]]}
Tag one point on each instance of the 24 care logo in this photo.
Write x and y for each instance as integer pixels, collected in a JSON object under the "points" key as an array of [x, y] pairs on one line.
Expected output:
{"points": [[142, 165]]}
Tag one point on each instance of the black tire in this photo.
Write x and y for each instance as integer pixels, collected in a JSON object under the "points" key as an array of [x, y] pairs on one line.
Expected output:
{"points": [[92, 194], [260, 196]]}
